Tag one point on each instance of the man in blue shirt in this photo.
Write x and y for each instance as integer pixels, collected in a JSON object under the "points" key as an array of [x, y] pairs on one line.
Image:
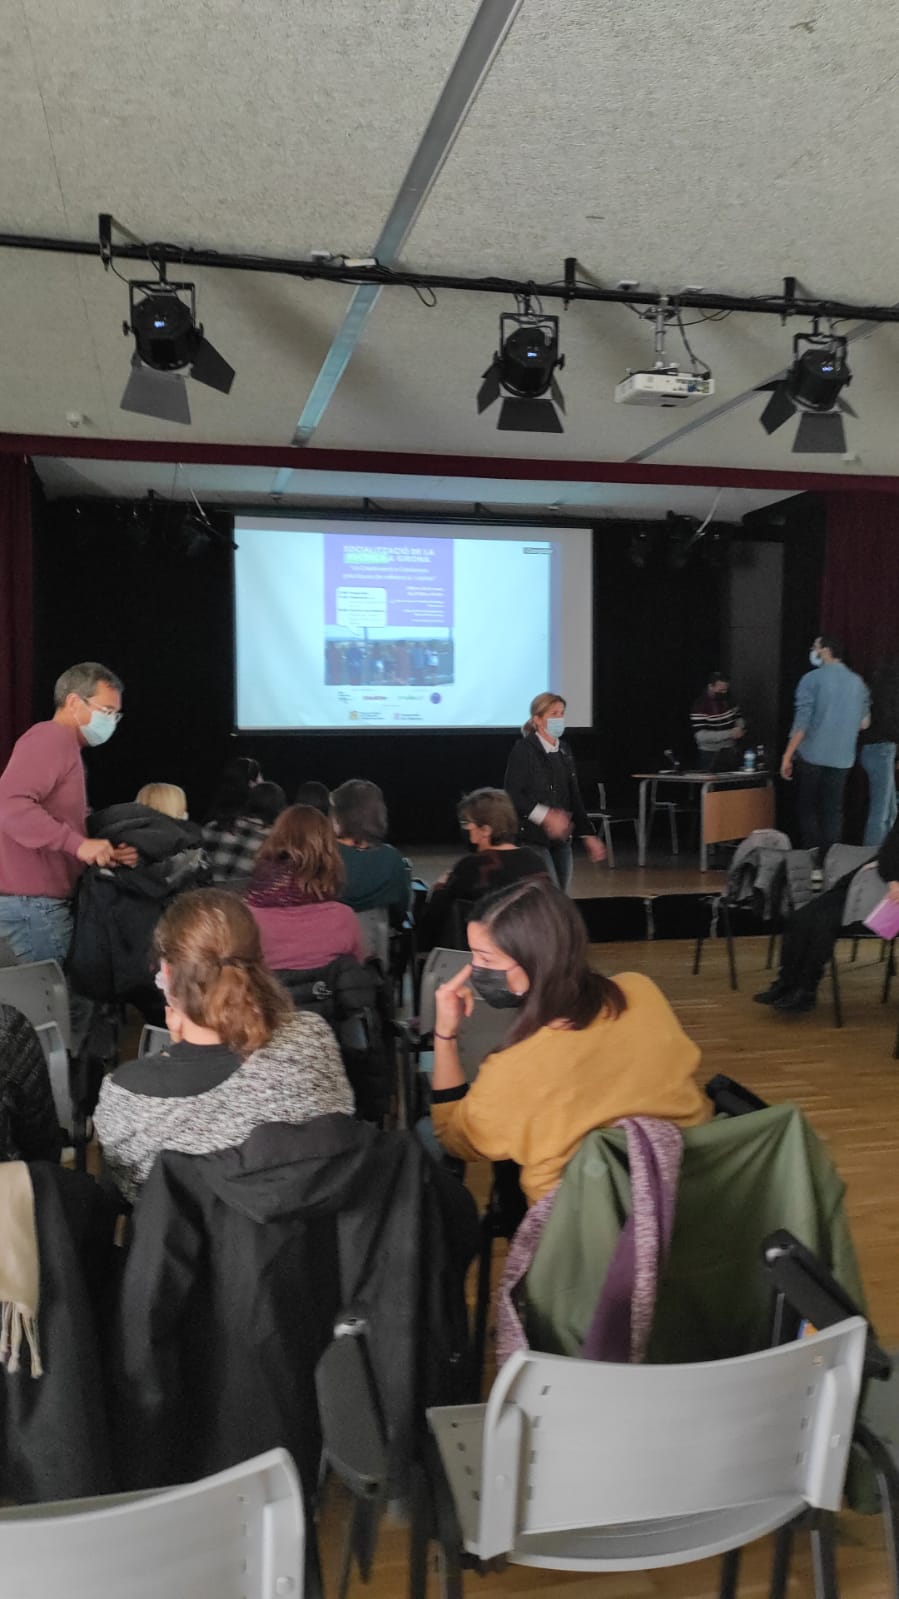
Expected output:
{"points": [[832, 707]]}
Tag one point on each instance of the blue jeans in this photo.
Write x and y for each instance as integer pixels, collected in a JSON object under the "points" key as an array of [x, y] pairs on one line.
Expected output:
{"points": [[560, 863], [879, 761], [37, 928]]}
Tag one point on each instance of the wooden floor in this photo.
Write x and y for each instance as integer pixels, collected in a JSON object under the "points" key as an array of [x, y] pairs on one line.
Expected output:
{"points": [[848, 1085], [663, 874]]}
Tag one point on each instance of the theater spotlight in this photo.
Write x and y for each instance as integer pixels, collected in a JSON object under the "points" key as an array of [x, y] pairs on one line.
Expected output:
{"points": [[168, 341], [812, 387], [523, 371]]}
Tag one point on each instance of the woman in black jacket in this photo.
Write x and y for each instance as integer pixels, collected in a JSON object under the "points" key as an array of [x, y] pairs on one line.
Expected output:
{"points": [[541, 781]]}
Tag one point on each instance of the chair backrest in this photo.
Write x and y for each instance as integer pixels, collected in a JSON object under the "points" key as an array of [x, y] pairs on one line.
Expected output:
{"points": [[39, 991], [843, 858], [238, 1535], [153, 1040], [376, 934], [482, 1032], [573, 1443], [601, 791]]}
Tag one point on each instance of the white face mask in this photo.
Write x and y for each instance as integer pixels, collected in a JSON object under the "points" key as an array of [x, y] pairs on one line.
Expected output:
{"points": [[555, 726], [815, 658]]}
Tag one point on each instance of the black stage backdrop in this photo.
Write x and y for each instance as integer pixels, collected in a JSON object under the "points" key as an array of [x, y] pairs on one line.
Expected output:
{"points": [[154, 602]]}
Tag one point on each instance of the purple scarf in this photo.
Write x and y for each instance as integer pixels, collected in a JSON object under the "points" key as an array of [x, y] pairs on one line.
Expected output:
{"points": [[273, 885]]}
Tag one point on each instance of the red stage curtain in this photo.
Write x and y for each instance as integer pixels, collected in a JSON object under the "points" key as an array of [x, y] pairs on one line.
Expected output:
{"points": [[16, 601], [860, 596]]}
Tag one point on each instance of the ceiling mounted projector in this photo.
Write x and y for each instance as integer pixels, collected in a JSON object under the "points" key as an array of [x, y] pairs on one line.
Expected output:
{"points": [[812, 387], [668, 387], [523, 371], [168, 341]]}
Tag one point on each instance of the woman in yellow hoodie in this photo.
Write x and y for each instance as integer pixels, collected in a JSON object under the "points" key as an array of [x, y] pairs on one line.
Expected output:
{"points": [[583, 1050]]}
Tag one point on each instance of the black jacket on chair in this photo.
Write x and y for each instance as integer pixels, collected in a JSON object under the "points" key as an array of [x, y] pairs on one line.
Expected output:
{"points": [[54, 1441], [353, 997], [535, 778], [117, 909], [29, 1129], [240, 1263]]}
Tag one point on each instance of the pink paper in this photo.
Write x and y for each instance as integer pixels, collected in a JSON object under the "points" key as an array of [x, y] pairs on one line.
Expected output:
{"points": [[884, 919]]}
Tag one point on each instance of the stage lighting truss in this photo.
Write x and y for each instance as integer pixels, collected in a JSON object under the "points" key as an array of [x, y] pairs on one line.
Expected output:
{"points": [[168, 341], [812, 388], [523, 372]]}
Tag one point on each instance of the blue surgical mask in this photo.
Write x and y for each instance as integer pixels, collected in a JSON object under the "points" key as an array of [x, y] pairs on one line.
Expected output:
{"points": [[98, 729], [555, 726], [815, 658]]}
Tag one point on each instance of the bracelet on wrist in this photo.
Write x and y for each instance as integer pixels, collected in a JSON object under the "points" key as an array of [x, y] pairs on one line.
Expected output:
{"points": [[447, 1038]]}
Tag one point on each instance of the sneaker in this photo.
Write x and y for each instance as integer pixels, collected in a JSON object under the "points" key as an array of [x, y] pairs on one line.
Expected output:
{"points": [[778, 990], [796, 1003]]}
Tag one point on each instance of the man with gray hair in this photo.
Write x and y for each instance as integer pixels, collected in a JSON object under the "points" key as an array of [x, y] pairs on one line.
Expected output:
{"points": [[43, 811]]}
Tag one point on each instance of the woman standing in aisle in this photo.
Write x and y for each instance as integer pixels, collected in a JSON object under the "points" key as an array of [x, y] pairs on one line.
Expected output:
{"points": [[541, 781]]}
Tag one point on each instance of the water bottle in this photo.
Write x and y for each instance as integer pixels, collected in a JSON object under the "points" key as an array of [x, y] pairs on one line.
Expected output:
{"points": [[749, 761]]}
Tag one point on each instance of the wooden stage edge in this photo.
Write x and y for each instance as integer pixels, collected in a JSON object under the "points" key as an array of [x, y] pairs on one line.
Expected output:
{"points": [[663, 875]]}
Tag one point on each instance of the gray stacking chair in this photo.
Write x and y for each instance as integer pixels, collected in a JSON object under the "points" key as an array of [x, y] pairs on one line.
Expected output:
{"points": [[577, 1465], [153, 1040], [38, 990], [237, 1535]]}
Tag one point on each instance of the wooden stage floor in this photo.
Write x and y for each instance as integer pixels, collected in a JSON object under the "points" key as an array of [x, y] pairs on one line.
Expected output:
{"points": [[848, 1085], [676, 874]]}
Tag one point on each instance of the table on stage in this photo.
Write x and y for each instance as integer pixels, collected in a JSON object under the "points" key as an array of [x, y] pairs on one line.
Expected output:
{"points": [[731, 805]]}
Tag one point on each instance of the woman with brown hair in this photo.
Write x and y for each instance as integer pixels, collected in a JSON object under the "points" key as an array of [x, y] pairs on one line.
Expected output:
{"points": [[487, 817], [293, 894], [240, 1058], [376, 875], [541, 781], [583, 1050]]}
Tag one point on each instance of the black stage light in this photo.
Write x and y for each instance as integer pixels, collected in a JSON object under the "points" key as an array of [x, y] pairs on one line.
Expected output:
{"points": [[167, 341], [812, 387], [523, 372]]}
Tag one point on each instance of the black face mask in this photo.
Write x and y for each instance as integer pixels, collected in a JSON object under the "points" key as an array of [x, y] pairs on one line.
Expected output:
{"points": [[493, 988]]}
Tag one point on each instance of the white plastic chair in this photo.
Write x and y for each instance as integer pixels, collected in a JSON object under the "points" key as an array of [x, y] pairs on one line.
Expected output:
{"points": [[607, 820], [153, 1040], [38, 990], [577, 1465], [238, 1535]]}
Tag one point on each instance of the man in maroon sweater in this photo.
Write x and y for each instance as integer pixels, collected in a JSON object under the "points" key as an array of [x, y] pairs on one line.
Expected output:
{"points": [[43, 811]]}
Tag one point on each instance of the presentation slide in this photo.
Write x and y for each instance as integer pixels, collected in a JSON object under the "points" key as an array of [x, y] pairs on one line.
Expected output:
{"points": [[378, 624]]}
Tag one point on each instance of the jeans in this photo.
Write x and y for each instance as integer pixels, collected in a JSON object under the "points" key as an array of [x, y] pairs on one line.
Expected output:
{"points": [[559, 859], [879, 761], [37, 928], [821, 790]]}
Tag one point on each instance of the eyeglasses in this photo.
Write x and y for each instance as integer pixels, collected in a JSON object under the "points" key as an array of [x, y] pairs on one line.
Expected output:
{"points": [[105, 710]]}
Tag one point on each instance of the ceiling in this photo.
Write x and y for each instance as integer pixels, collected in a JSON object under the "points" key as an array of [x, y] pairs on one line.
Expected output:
{"points": [[255, 487], [675, 143]]}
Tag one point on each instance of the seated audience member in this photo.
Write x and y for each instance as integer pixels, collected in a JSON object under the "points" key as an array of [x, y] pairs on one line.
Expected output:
{"points": [[116, 912], [266, 802], [490, 820], [232, 834], [317, 794], [811, 932], [717, 725], [376, 875], [241, 1056], [293, 895], [583, 1050], [29, 1129]]}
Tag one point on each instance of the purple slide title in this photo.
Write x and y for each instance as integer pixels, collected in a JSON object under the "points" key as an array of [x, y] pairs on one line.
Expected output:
{"points": [[374, 581]]}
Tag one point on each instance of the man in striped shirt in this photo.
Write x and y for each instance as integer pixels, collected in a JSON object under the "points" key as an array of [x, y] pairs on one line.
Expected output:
{"points": [[717, 725]]}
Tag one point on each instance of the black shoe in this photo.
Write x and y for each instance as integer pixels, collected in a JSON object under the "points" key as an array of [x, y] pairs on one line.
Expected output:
{"points": [[796, 1003], [778, 990]]}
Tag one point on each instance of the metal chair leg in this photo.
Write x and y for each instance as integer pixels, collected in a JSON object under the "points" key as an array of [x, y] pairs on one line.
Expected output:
{"points": [[730, 1574], [835, 985], [610, 851], [482, 1304], [824, 1557], [780, 1565], [888, 1488], [675, 842], [772, 945], [854, 955], [697, 954], [890, 971], [731, 952]]}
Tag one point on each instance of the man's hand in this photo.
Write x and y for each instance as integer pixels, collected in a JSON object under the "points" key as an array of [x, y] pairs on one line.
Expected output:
{"points": [[96, 852], [786, 769], [595, 848], [557, 824], [125, 855], [737, 731]]}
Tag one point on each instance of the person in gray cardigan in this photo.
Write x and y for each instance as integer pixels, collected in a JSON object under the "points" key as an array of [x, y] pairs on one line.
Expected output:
{"points": [[811, 933], [240, 1056]]}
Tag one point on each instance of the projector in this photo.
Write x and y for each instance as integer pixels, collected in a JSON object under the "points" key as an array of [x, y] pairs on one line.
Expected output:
{"points": [[669, 387]]}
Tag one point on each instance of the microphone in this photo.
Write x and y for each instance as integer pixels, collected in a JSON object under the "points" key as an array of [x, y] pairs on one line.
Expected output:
{"points": [[672, 758]]}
